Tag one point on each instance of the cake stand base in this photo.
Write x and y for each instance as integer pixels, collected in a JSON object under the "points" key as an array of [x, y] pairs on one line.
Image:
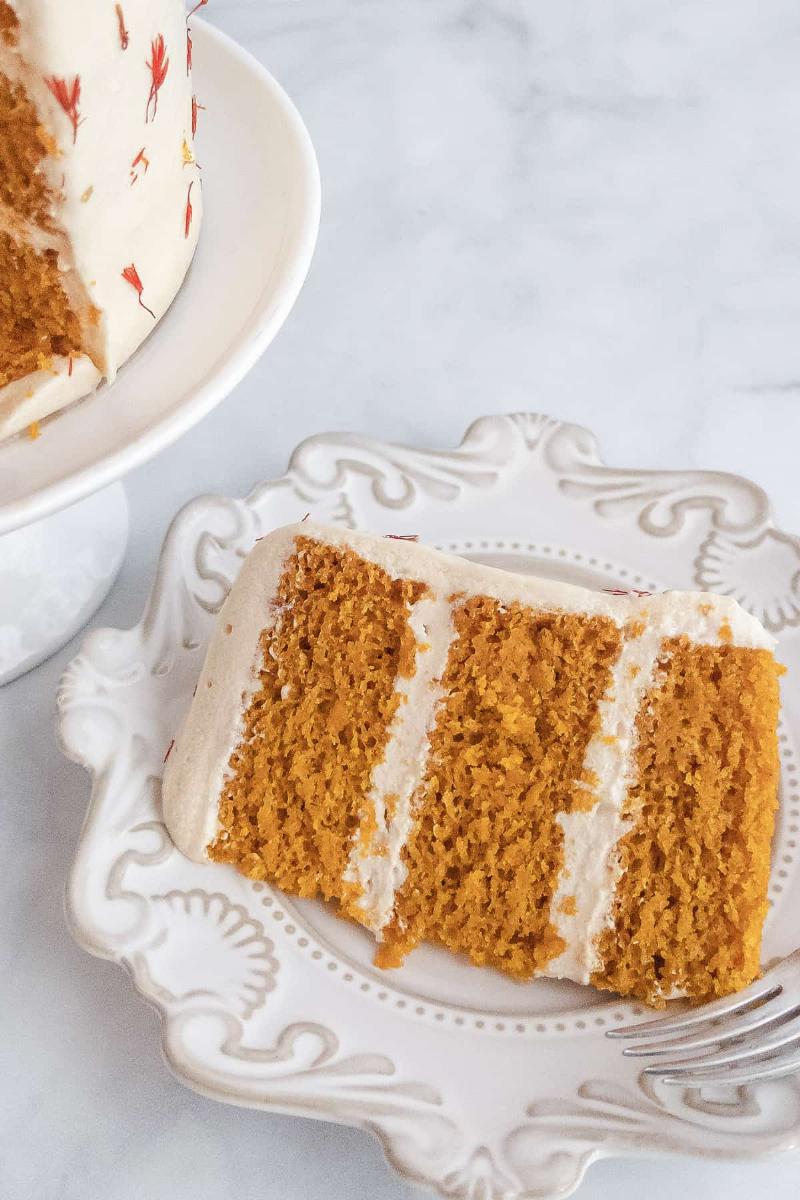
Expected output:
{"points": [[54, 575]]}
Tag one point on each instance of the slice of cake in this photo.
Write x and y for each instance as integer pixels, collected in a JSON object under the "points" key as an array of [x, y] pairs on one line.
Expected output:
{"points": [[549, 780], [100, 198]]}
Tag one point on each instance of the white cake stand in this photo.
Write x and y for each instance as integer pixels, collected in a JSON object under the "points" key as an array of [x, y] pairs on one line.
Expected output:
{"points": [[63, 513]]}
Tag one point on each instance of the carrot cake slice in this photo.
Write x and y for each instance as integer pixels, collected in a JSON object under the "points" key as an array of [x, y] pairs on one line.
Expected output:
{"points": [[550, 780], [100, 200]]}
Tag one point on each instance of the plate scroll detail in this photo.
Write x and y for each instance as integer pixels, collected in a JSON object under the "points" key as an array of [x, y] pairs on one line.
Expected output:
{"points": [[251, 1020]]}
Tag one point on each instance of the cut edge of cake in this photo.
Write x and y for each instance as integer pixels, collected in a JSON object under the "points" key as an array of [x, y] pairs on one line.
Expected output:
{"points": [[592, 827]]}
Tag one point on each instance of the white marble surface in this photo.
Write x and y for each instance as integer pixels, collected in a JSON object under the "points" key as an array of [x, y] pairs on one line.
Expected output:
{"points": [[585, 209]]}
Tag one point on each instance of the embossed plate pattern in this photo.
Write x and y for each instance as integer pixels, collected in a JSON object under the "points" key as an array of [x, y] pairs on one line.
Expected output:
{"points": [[477, 1087]]}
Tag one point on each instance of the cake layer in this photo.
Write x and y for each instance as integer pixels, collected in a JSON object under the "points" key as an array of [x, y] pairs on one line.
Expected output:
{"points": [[506, 756], [542, 777], [691, 901], [319, 722], [24, 144], [96, 131], [36, 319]]}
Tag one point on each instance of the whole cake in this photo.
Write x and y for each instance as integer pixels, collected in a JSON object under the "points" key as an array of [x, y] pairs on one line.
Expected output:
{"points": [[550, 780], [100, 196]]}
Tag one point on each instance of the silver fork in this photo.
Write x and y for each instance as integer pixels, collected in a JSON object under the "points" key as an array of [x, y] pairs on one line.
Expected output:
{"points": [[752, 1035]]}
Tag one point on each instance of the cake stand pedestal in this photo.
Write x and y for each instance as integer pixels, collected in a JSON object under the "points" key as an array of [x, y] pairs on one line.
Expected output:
{"points": [[55, 574], [63, 514]]}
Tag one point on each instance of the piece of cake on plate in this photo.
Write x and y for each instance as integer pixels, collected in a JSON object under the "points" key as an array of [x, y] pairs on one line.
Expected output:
{"points": [[552, 781], [100, 198]]}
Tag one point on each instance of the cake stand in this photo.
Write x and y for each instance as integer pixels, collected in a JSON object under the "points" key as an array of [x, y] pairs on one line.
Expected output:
{"points": [[63, 513]]}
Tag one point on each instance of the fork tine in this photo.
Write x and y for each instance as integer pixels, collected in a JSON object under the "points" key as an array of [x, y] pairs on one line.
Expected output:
{"points": [[738, 1056], [775, 1067], [762, 1020], [753, 997]]}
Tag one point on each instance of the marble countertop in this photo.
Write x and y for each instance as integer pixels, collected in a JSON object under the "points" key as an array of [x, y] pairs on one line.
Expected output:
{"points": [[589, 210]]}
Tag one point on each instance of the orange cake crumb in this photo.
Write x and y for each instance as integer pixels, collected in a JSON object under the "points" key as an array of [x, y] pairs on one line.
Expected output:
{"points": [[36, 317], [692, 898], [36, 321], [522, 693], [9, 24], [24, 145], [318, 723]]}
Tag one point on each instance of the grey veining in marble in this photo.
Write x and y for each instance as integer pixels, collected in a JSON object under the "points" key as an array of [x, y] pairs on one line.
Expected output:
{"points": [[589, 209]]}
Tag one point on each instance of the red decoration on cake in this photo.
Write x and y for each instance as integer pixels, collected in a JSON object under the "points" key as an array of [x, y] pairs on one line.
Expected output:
{"points": [[123, 33], [200, 4], [187, 225], [158, 67], [195, 109], [68, 96], [141, 160], [131, 276]]}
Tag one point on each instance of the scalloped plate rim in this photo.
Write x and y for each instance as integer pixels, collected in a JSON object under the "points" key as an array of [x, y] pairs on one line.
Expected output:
{"points": [[778, 1143]]}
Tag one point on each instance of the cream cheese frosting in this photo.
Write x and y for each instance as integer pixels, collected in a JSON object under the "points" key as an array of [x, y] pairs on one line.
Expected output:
{"points": [[591, 868], [199, 763], [379, 870], [127, 186]]}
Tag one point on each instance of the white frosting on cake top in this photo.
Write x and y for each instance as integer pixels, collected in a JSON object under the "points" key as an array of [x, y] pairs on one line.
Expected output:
{"points": [[112, 87], [199, 762]]}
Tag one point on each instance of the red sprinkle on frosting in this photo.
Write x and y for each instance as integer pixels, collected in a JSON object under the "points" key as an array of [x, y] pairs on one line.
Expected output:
{"points": [[195, 109], [68, 96], [187, 225], [131, 276], [141, 160], [123, 33], [158, 65]]}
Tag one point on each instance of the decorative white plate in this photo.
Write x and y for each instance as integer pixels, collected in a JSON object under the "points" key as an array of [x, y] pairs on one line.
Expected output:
{"points": [[261, 196], [476, 1086]]}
